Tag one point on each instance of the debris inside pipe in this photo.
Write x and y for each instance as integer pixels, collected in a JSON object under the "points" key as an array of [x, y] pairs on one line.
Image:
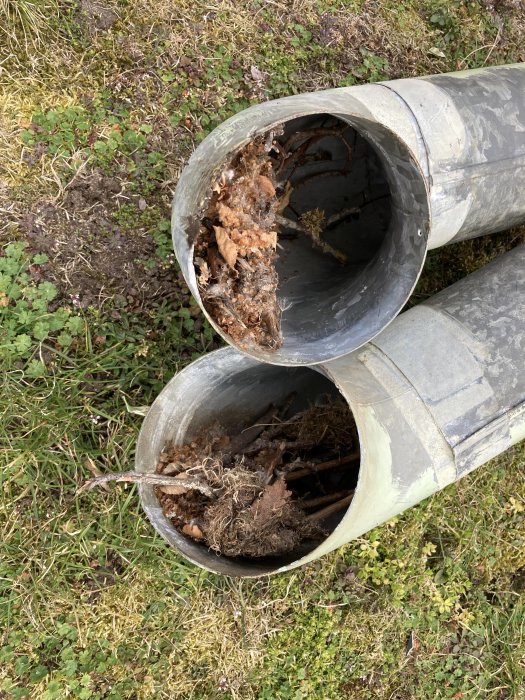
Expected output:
{"points": [[255, 206], [259, 509]]}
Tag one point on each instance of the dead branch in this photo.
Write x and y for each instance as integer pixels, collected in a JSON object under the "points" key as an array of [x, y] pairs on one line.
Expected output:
{"points": [[341, 215], [316, 238], [316, 132], [152, 480], [323, 466], [245, 439], [322, 500], [306, 179], [324, 513]]}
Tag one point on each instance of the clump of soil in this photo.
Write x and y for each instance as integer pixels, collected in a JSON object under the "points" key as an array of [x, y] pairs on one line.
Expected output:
{"points": [[267, 489], [235, 251]]}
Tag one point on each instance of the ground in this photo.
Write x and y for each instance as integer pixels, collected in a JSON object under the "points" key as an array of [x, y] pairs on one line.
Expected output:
{"points": [[101, 104]]}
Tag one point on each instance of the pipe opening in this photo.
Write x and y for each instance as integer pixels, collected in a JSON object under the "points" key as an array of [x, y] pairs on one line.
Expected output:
{"points": [[366, 182], [237, 389], [351, 239]]}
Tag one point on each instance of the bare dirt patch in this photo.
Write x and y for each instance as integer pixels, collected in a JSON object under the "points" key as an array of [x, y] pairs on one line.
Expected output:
{"points": [[92, 256], [96, 16]]}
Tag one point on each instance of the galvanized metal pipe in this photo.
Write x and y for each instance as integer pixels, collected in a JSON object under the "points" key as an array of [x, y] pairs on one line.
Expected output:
{"points": [[434, 160], [435, 395]]}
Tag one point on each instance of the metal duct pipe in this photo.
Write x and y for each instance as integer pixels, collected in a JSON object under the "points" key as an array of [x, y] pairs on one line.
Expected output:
{"points": [[437, 394], [433, 160]]}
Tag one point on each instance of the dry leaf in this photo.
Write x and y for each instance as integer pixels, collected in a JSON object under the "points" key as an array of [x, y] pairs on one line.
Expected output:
{"points": [[222, 442], [271, 501], [434, 51], [272, 239], [193, 531], [228, 216], [244, 271], [204, 273], [169, 469], [227, 247], [173, 490], [266, 186], [256, 74], [90, 464]]}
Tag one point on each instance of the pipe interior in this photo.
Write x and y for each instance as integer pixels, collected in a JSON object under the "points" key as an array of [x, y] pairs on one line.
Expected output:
{"points": [[338, 173], [330, 309], [234, 392]]}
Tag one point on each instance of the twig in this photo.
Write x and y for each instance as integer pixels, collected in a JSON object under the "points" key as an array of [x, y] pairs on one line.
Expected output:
{"points": [[285, 406], [316, 132], [306, 179], [292, 158], [277, 428], [270, 429], [321, 500], [330, 510], [270, 320], [308, 137], [90, 464], [213, 261], [152, 480], [341, 215], [273, 461], [289, 223], [245, 439], [226, 307], [316, 238], [323, 466], [498, 35], [291, 445]]}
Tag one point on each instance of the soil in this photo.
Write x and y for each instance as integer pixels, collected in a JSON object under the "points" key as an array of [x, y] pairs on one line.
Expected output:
{"points": [[275, 485], [93, 258], [95, 16]]}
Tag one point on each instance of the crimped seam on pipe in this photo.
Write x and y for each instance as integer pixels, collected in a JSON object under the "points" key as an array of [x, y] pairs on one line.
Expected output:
{"points": [[490, 440], [388, 361], [420, 135]]}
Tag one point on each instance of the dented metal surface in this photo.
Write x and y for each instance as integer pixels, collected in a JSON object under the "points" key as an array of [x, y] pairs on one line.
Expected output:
{"points": [[453, 151], [435, 395]]}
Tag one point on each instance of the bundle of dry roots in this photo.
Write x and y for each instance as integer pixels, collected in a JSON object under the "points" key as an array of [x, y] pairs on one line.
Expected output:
{"points": [[266, 490], [236, 248]]}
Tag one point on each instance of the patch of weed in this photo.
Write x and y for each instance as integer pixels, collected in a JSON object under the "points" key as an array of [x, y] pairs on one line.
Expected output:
{"points": [[27, 314]]}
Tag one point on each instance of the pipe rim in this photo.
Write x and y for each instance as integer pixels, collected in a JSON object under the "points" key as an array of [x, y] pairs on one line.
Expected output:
{"points": [[402, 259], [161, 425]]}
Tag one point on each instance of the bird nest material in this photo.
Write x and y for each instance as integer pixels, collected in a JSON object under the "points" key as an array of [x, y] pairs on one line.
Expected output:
{"points": [[236, 250], [271, 487], [237, 245]]}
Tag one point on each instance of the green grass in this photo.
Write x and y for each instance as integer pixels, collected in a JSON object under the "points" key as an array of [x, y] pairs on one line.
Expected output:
{"points": [[92, 603]]}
